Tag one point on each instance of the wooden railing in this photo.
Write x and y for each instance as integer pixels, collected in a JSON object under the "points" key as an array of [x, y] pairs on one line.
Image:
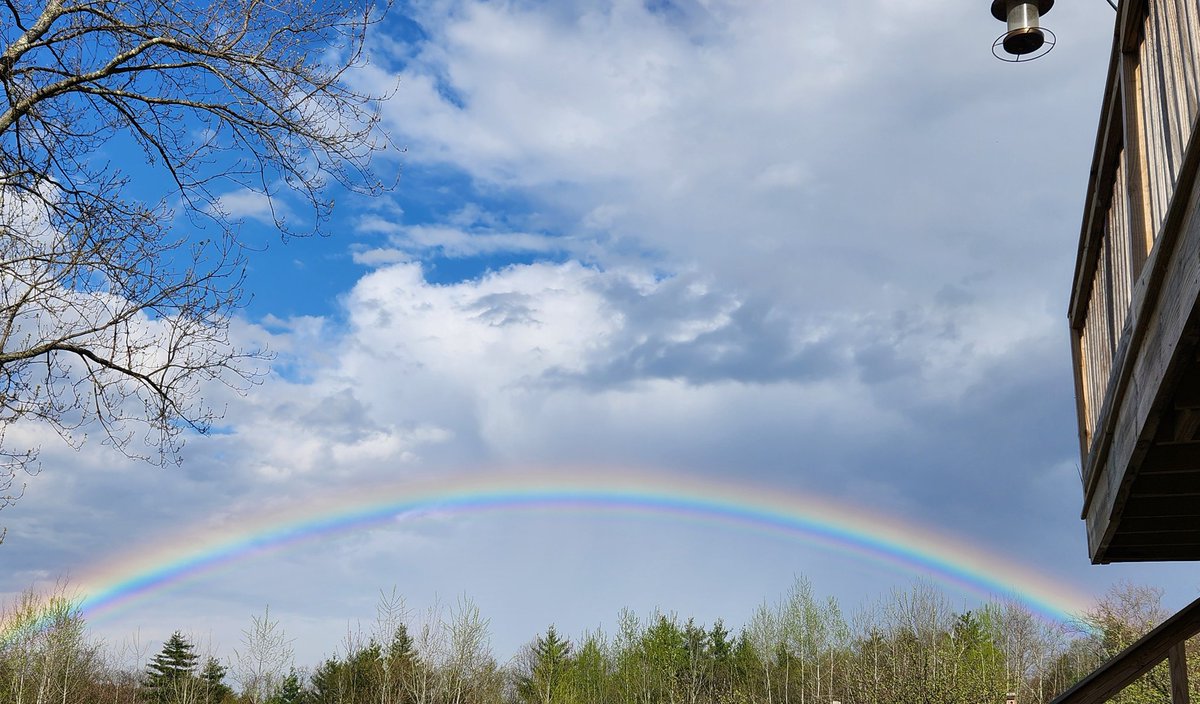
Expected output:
{"points": [[1163, 643], [1150, 108], [1108, 305]]}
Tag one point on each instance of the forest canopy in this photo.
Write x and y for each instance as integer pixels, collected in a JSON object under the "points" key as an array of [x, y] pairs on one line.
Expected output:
{"points": [[910, 646]]}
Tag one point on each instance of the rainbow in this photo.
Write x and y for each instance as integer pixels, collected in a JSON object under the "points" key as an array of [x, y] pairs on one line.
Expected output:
{"points": [[119, 583]]}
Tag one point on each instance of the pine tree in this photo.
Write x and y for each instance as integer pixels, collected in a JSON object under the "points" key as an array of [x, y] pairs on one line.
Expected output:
{"points": [[213, 689], [328, 682], [398, 666], [170, 676], [720, 648], [549, 661], [290, 691]]}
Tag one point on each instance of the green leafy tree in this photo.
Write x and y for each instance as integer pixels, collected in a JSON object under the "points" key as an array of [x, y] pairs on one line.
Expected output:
{"points": [[44, 651], [590, 674], [664, 648], [977, 657], [1124, 614]]}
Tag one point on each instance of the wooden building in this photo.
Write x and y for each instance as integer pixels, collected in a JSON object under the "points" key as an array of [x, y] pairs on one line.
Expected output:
{"points": [[1135, 301]]}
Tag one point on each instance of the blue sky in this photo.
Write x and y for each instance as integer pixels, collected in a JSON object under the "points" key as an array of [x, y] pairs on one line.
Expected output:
{"points": [[822, 247]]}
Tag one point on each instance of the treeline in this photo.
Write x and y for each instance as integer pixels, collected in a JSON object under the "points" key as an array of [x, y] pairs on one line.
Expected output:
{"points": [[908, 648]]}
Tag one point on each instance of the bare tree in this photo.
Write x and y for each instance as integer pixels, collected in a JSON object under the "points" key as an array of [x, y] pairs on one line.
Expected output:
{"points": [[45, 655], [265, 655], [128, 128]]}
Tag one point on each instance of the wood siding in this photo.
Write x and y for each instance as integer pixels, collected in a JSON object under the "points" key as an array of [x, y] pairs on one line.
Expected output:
{"points": [[1108, 305], [1168, 60], [1134, 309]]}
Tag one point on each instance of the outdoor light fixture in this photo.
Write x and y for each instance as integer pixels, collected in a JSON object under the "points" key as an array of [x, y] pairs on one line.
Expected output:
{"points": [[1025, 39]]}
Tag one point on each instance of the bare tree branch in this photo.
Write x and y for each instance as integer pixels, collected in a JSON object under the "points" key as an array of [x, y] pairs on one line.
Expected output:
{"points": [[114, 309]]}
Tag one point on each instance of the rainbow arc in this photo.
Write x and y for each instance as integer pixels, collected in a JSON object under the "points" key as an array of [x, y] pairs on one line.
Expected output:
{"points": [[866, 533]]}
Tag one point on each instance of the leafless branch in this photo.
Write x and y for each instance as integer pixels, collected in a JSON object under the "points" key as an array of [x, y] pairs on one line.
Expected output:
{"points": [[118, 279]]}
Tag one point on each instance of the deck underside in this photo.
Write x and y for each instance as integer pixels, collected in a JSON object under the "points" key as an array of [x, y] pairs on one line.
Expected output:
{"points": [[1160, 518]]}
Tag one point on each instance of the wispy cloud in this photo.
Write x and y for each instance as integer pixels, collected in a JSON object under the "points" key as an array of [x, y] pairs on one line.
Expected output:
{"points": [[245, 204], [448, 241]]}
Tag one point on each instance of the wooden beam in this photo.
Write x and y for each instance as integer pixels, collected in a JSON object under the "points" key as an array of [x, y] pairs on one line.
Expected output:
{"points": [[1154, 553], [1137, 190], [1177, 425], [1166, 484], [1179, 457], [1136, 660], [1177, 657], [1154, 524], [1156, 506], [1131, 20], [1185, 541]]}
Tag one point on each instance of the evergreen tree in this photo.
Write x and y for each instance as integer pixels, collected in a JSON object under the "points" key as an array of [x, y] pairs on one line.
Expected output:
{"points": [[363, 673], [695, 676], [328, 682], [290, 691], [748, 669], [213, 689], [720, 649], [547, 678], [170, 676], [397, 665]]}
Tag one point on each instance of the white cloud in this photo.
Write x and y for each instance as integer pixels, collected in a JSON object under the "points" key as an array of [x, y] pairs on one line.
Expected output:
{"points": [[381, 256], [448, 241], [827, 157], [802, 247], [246, 204]]}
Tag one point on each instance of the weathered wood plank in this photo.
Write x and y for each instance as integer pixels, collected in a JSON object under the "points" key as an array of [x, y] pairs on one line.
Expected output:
{"points": [[1159, 358], [1077, 362], [1135, 334], [1156, 539], [1177, 659], [1156, 506], [1156, 553], [1131, 19], [1138, 190], [1108, 140], [1133, 524], [1167, 484], [1181, 457]]}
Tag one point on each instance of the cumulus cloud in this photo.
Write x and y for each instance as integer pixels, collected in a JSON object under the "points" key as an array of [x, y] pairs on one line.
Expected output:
{"points": [[797, 243], [778, 150]]}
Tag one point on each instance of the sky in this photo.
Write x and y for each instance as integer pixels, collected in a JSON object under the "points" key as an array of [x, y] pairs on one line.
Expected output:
{"points": [[808, 257]]}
